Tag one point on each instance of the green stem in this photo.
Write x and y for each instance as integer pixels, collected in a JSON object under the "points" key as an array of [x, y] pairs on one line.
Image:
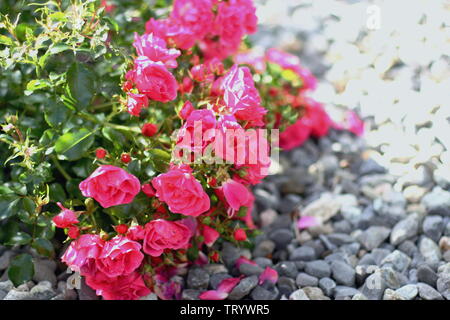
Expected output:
{"points": [[60, 168]]}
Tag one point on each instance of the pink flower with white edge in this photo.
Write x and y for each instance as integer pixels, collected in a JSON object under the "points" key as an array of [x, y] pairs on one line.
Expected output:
{"points": [[110, 186], [120, 256], [181, 191], [155, 49], [153, 79], [83, 252], [136, 102], [65, 218], [210, 235], [162, 234]]}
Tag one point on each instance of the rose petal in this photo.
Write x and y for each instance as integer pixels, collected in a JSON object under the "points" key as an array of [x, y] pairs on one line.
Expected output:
{"points": [[213, 295], [307, 222], [268, 274]]}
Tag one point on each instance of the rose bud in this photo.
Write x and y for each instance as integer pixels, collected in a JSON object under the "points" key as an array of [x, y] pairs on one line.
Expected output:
{"points": [[100, 153], [240, 235], [122, 228], [149, 129], [125, 158]]}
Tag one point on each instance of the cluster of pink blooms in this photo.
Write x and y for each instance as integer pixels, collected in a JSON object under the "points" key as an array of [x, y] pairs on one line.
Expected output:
{"points": [[191, 207]]}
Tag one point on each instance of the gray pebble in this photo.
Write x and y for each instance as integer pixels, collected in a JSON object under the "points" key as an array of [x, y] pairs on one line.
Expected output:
{"points": [[303, 253], [374, 286], [398, 260], [243, 288], [250, 270], [305, 280], [373, 237], [281, 237], [433, 226], [409, 292], [42, 291], [197, 279], [264, 248], [286, 286], [318, 269], [286, 268], [427, 275], [427, 292], [298, 295], [443, 286], [429, 250], [260, 293], [343, 273], [190, 294], [327, 285], [405, 229]]}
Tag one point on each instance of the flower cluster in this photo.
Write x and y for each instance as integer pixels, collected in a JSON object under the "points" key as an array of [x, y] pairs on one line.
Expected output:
{"points": [[196, 189]]}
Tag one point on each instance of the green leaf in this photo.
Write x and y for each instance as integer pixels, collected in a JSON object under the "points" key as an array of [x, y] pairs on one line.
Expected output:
{"points": [[81, 81], [21, 269], [8, 229], [72, 145], [57, 192], [44, 247], [56, 114], [160, 159], [34, 85], [9, 205], [20, 238], [5, 40]]}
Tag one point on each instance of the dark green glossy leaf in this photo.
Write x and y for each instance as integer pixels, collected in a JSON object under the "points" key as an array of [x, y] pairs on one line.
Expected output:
{"points": [[44, 247], [21, 269], [20, 238], [73, 145], [81, 81], [9, 205]]}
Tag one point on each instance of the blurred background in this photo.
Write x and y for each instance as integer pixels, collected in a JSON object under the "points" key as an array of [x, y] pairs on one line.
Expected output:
{"points": [[388, 60]]}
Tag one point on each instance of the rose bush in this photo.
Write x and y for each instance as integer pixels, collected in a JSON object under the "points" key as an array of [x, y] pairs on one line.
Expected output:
{"points": [[126, 151]]}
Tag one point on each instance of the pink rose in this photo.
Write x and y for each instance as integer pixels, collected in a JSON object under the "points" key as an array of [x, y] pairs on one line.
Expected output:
{"points": [[66, 218], [82, 253], [162, 234], [155, 49], [127, 287], [194, 15], [120, 256], [110, 186], [181, 191], [153, 79], [241, 96], [295, 135], [136, 102]]}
